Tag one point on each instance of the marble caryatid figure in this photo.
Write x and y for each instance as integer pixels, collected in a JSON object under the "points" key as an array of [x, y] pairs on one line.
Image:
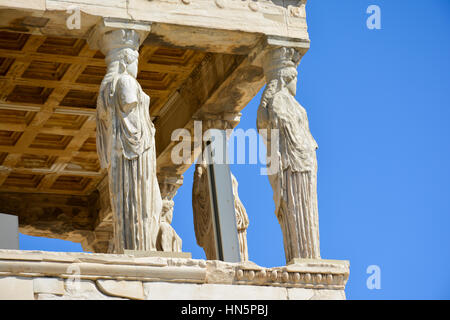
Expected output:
{"points": [[167, 240], [201, 208], [126, 145], [203, 223], [295, 183], [242, 220]]}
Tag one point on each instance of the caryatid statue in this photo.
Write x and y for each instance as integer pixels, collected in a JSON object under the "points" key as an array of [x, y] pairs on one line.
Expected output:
{"points": [[126, 145], [168, 240], [242, 220], [294, 184], [203, 223]]}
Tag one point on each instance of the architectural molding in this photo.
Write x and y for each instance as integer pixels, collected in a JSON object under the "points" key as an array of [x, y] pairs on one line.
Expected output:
{"points": [[107, 24], [320, 276]]}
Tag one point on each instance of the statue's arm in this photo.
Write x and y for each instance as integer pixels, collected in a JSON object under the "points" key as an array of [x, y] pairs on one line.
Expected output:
{"points": [[128, 93], [306, 125]]}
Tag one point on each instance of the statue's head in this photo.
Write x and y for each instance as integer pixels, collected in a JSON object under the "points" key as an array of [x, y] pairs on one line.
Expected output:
{"points": [[200, 167], [289, 79], [281, 65], [121, 50], [167, 211]]}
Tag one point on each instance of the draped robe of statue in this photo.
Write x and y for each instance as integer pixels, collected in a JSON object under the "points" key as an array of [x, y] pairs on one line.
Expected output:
{"points": [[242, 220], [126, 146], [295, 183]]}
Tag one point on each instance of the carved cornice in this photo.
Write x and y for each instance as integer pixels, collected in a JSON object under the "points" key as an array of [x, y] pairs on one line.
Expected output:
{"points": [[221, 121], [318, 274], [95, 38], [311, 274]]}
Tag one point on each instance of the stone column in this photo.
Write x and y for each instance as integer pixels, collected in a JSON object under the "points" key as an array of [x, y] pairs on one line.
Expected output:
{"points": [[294, 184], [200, 195], [125, 140], [168, 239]]}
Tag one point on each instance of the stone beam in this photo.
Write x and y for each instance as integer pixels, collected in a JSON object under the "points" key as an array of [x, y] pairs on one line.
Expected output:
{"points": [[84, 219], [105, 25], [275, 17], [42, 275], [203, 39], [66, 217], [221, 84], [228, 27]]}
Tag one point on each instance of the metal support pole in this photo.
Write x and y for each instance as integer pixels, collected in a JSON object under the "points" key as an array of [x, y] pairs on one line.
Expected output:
{"points": [[222, 203]]}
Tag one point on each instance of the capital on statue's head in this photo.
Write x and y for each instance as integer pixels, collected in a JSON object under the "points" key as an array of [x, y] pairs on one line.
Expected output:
{"points": [[119, 39], [280, 58]]}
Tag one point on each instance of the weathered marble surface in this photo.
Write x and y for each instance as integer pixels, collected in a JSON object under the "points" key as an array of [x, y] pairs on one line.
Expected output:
{"points": [[168, 240], [235, 24], [234, 34], [242, 220], [126, 145], [295, 182], [60, 275]]}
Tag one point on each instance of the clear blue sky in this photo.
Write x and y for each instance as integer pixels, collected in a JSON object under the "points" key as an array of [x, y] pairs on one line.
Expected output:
{"points": [[378, 103]]}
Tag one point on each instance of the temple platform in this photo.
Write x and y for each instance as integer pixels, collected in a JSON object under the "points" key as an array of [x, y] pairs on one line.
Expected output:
{"points": [[40, 275]]}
